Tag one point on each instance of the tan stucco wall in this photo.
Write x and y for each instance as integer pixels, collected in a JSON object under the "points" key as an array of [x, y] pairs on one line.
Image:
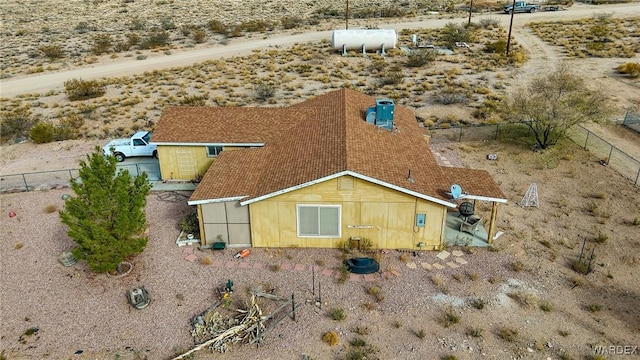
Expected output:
{"points": [[185, 163], [384, 216]]}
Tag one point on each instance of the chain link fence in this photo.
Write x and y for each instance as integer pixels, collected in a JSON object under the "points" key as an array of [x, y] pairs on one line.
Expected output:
{"points": [[609, 155], [632, 121], [57, 179]]}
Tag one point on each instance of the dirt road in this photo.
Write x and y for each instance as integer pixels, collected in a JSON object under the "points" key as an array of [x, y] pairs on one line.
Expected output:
{"points": [[129, 66]]}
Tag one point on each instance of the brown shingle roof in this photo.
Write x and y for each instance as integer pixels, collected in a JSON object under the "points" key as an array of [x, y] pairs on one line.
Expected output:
{"points": [[312, 140]]}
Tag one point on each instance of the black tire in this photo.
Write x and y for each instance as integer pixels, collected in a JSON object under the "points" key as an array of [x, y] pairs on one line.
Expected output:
{"points": [[155, 154], [532, 10], [120, 157]]}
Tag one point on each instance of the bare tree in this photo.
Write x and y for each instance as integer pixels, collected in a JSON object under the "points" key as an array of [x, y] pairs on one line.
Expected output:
{"points": [[553, 103]]}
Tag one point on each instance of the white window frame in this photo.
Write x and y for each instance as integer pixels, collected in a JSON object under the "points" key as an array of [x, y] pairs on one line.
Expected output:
{"points": [[338, 235], [215, 147]]}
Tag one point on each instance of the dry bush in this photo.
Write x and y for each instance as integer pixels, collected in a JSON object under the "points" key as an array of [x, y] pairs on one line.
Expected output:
{"points": [[331, 338], [206, 260], [18, 246], [52, 52], [50, 208], [437, 280], [525, 299], [508, 334], [78, 89]]}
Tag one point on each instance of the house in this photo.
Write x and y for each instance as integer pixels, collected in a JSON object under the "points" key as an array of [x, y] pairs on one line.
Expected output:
{"points": [[339, 167]]}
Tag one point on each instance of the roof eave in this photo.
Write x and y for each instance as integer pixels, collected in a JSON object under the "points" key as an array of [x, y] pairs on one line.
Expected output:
{"points": [[212, 201]]}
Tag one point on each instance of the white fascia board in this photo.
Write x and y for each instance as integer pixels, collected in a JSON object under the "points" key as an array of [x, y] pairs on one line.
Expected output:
{"points": [[207, 144], [293, 188], [482, 198], [211, 201], [403, 190]]}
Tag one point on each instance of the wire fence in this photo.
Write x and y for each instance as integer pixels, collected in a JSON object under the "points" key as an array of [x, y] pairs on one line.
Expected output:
{"points": [[57, 179], [609, 155], [632, 121]]}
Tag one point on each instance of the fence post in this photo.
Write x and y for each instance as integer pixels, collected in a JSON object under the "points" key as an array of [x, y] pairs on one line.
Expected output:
{"points": [[460, 135], [638, 177], [586, 139], [610, 152], [24, 179], [293, 307]]}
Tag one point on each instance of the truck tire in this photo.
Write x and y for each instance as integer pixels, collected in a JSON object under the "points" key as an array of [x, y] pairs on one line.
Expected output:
{"points": [[155, 154], [120, 157], [532, 10]]}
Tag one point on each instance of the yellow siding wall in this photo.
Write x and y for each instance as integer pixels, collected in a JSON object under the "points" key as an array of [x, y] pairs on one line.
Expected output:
{"points": [[185, 162], [384, 216]]}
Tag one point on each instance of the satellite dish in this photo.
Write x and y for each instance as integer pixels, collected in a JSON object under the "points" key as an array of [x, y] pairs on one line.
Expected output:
{"points": [[456, 191]]}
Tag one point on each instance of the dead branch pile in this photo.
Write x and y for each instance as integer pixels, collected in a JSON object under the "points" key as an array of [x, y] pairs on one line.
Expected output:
{"points": [[218, 332]]}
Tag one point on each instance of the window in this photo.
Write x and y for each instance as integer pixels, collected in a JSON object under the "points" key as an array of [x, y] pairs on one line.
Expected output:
{"points": [[213, 151], [319, 221], [138, 142]]}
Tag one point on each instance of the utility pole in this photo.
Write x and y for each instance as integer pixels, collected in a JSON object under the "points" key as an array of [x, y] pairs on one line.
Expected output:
{"points": [[470, 7], [513, 11], [346, 17]]}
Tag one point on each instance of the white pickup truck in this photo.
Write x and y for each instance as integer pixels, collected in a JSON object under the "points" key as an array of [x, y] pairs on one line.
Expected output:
{"points": [[137, 145]]}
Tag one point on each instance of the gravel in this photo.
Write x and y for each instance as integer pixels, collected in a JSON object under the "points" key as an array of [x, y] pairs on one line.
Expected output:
{"points": [[75, 310]]}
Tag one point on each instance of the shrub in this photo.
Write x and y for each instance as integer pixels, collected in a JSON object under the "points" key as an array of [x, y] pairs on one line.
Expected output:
{"points": [[525, 299], [580, 267], [331, 338], [508, 334], [450, 317], [338, 314], [82, 27], [101, 44], [517, 266], [217, 27], [291, 22], [206, 260], [451, 95], [362, 330], [631, 69], [193, 100], [42, 132], [421, 334], [594, 307], [199, 36], [275, 268], [50, 208], [474, 332], [78, 89], [479, 303], [393, 77], [601, 238], [52, 52], [420, 57], [343, 271], [17, 122], [489, 23], [189, 224], [155, 39], [545, 306], [497, 47], [264, 90], [452, 33], [361, 350]]}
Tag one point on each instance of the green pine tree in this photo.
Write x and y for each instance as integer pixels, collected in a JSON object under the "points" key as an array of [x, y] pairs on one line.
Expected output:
{"points": [[106, 216]]}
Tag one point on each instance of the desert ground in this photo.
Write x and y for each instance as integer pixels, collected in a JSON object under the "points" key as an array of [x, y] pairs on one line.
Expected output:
{"points": [[519, 299]]}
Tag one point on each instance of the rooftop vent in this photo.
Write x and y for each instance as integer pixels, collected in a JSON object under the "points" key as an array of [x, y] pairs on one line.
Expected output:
{"points": [[381, 115]]}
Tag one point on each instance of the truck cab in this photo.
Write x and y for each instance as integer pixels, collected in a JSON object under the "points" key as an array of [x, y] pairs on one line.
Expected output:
{"points": [[137, 145]]}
